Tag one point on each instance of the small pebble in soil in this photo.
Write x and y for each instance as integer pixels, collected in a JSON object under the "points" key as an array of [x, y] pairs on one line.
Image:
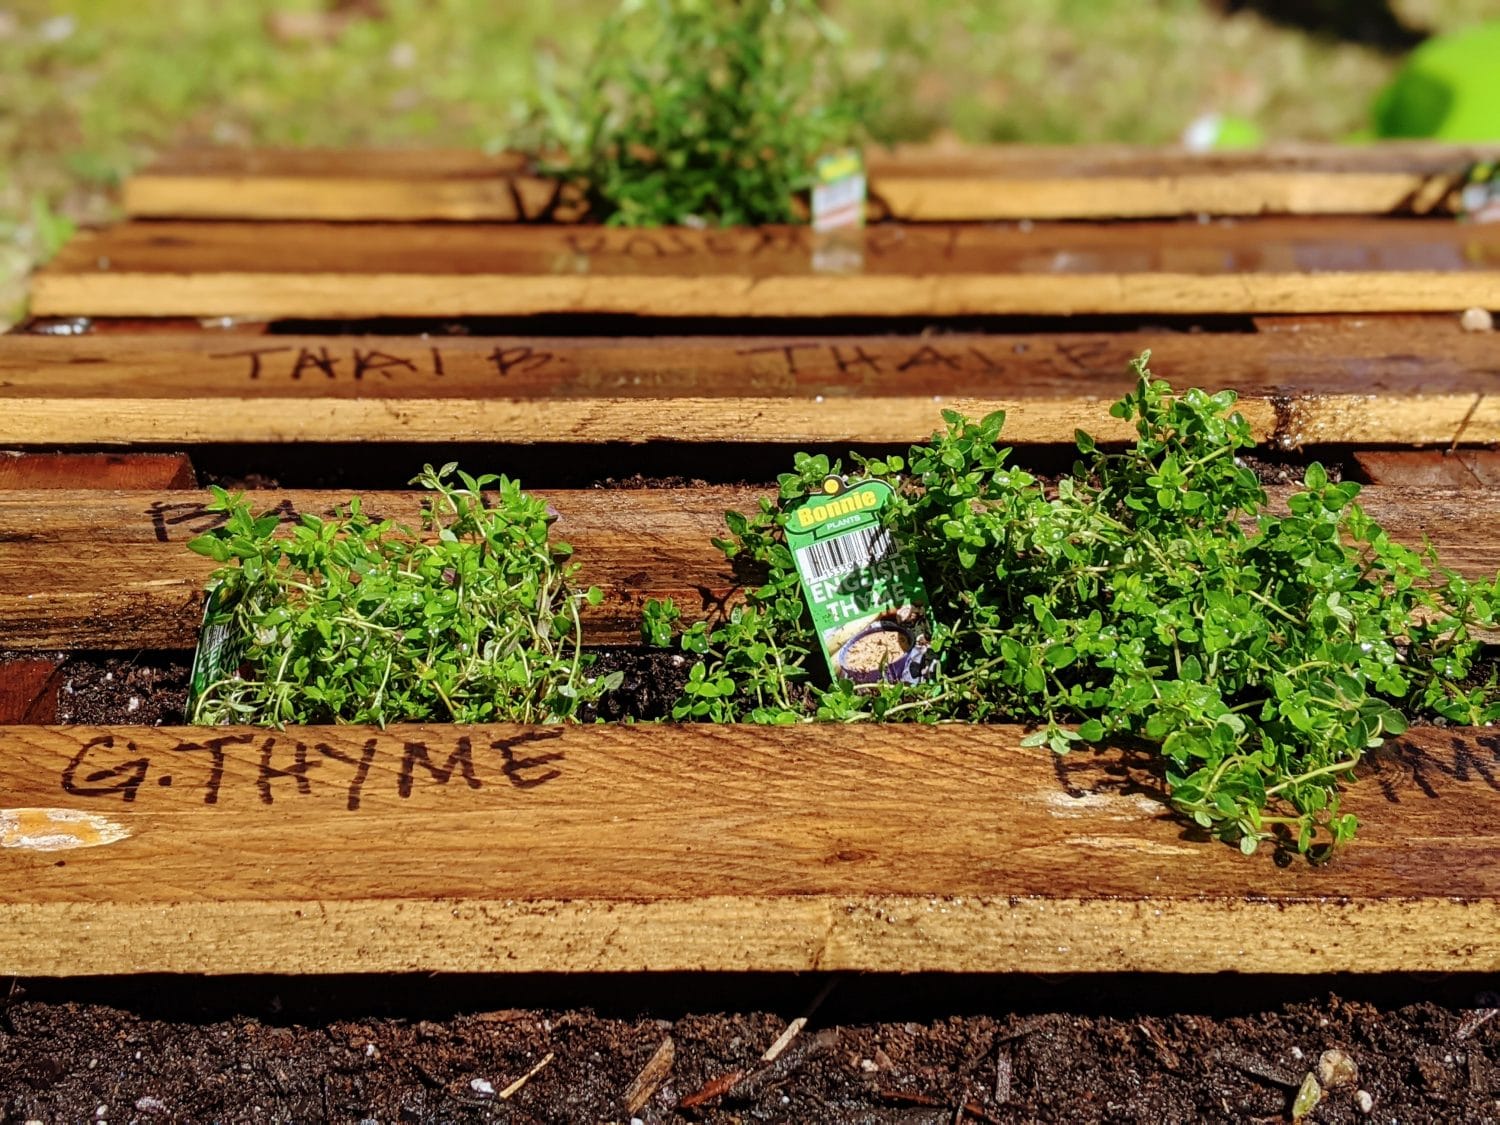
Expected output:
{"points": [[1364, 1102], [1477, 320], [148, 1104], [869, 1066], [1335, 1068], [482, 1087]]}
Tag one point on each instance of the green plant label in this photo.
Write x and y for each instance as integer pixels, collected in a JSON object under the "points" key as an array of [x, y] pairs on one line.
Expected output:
{"points": [[1481, 194], [838, 194], [217, 655], [868, 604]]}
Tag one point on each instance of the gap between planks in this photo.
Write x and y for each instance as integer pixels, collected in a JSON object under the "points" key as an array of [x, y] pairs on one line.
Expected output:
{"points": [[620, 848], [1373, 380], [308, 270], [84, 570], [911, 183]]}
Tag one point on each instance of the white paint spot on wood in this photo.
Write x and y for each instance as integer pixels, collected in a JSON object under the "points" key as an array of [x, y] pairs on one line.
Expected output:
{"points": [[56, 830], [1113, 806]]}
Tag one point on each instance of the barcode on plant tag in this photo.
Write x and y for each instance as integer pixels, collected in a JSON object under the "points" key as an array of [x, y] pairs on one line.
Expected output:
{"points": [[834, 557]]}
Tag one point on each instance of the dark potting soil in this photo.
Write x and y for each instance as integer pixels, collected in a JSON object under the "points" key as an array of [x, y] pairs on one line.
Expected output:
{"points": [[104, 689], [150, 688], [147, 1051]]}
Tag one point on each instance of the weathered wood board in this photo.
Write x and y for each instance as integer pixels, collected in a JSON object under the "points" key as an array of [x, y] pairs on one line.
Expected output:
{"points": [[88, 470], [310, 270], [1386, 380], [1406, 468], [910, 183], [618, 848], [110, 570]]}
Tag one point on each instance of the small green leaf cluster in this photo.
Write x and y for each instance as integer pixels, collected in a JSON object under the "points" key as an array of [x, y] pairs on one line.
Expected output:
{"points": [[695, 111], [357, 619], [1146, 594]]}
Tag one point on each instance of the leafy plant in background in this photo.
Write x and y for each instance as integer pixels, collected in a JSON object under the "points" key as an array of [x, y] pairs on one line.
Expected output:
{"points": [[694, 111], [1130, 600], [356, 619]]}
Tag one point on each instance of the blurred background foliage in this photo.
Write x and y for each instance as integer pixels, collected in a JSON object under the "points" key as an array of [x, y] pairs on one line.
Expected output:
{"points": [[90, 88]]}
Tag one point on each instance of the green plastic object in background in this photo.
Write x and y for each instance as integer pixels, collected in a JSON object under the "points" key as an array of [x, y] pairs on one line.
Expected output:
{"points": [[1448, 89]]}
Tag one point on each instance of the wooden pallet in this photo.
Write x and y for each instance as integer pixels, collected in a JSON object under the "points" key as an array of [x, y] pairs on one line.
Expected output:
{"points": [[710, 847], [110, 571], [911, 183], [499, 849], [281, 270], [1414, 380]]}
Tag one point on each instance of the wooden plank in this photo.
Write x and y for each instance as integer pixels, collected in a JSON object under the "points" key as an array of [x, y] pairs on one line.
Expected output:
{"points": [[109, 570], [620, 848], [93, 470], [1112, 182], [28, 689], [911, 183], [341, 185], [1415, 469], [1483, 463], [1403, 380], [271, 270]]}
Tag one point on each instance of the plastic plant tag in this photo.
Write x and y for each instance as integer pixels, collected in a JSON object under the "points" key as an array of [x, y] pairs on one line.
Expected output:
{"points": [[838, 213], [838, 195], [217, 656], [868, 604], [1480, 195]]}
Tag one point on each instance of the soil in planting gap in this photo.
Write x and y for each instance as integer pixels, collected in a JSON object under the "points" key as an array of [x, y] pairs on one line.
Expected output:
{"points": [[572, 324], [880, 1049], [607, 324], [150, 688], [366, 466]]}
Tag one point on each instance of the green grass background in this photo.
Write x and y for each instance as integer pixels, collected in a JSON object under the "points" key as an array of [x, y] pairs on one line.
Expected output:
{"points": [[90, 88]]}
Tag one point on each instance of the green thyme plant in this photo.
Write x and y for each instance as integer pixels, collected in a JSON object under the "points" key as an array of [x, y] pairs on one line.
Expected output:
{"points": [[1147, 595], [695, 111], [357, 619]]}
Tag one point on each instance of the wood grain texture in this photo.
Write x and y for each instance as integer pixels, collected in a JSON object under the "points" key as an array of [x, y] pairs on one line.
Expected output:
{"points": [[910, 183], [90, 470], [498, 849], [110, 570], [270, 270], [1375, 380], [1431, 468], [29, 688]]}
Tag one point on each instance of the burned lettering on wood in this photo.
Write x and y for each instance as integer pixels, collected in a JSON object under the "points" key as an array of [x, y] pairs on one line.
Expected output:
{"points": [[321, 361], [860, 358], [462, 759], [382, 362], [1401, 764], [361, 767], [362, 362], [192, 512], [254, 354], [788, 353], [127, 776], [928, 356], [297, 771], [514, 766], [215, 747], [520, 358]]}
